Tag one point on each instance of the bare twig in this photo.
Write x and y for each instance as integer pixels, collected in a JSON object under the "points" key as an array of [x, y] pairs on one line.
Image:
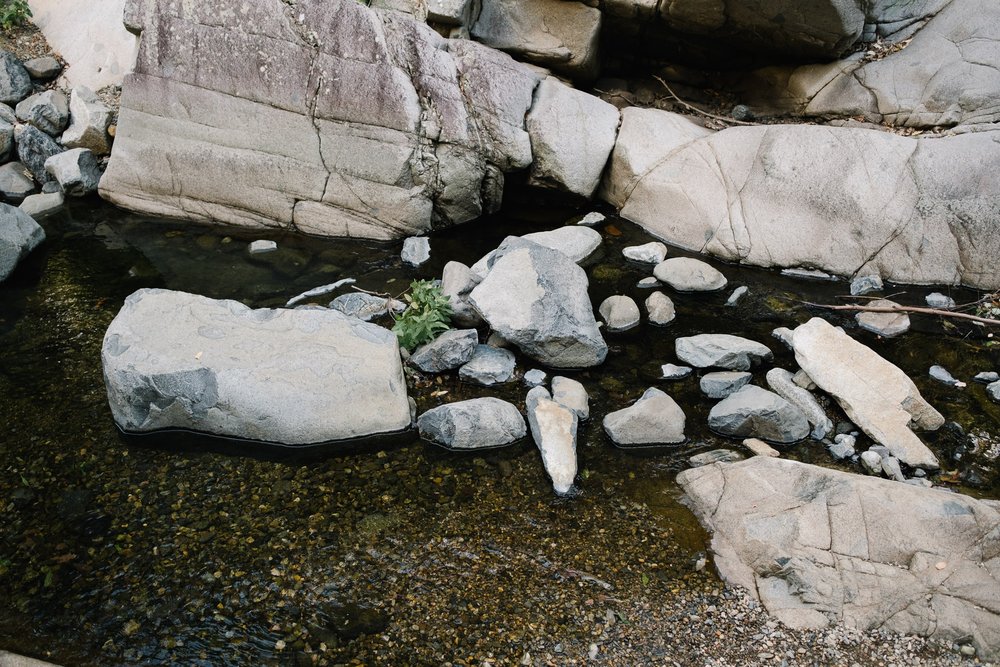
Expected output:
{"points": [[909, 309], [724, 119]]}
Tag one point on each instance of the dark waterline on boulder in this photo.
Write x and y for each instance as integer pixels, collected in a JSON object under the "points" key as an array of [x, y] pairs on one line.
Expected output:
{"points": [[125, 551]]}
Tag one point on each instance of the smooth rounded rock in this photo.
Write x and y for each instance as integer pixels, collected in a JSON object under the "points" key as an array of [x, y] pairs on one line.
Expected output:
{"points": [[653, 252], [620, 313], [479, 423], [685, 274], [884, 324], [660, 309]]}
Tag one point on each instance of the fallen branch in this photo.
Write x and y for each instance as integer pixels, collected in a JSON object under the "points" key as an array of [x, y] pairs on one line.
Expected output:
{"points": [[724, 119], [909, 309]]}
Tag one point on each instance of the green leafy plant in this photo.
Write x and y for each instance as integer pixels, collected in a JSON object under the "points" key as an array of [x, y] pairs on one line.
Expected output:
{"points": [[427, 315], [13, 13]]}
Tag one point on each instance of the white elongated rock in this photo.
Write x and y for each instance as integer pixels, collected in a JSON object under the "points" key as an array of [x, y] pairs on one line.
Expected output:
{"points": [[553, 428], [722, 350], [479, 423], [818, 546], [655, 419], [537, 299], [19, 235], [178, 360], [875, 394], [782, 383]]}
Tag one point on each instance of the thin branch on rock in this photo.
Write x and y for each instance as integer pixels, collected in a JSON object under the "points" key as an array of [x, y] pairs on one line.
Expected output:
{"points": [[909, 309], [724, 119]]}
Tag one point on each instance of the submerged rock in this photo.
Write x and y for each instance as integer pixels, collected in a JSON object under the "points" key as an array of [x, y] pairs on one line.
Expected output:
{"points": [[721, 350], [537, 299], [42, 205], [758, 413], [553, 428], [819, 546], [884, 324], [941, 374], [714, 456], [177, 360], [19, 235], [654, 419], [876, 395], [940, 301], [478, 423]]}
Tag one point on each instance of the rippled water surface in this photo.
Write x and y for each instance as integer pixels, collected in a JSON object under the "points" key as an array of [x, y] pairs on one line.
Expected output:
{"points": [[193, 551]]}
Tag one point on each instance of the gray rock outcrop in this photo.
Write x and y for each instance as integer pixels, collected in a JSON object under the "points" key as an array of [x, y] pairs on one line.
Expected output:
{"points": [[478, 423], [359, 122], [876, 395], [753, 412], [654, 419], [721, 350], [733, 194], [576, 242], [819, 546], [19, 235], [537, 299], [572, 134], [177, 360]]}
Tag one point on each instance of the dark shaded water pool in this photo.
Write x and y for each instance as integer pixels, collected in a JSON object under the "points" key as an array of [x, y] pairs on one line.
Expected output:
{"points": [[177, 549]]}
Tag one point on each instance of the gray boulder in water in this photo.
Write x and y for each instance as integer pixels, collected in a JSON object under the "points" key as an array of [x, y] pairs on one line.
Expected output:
{"points": [[178, 360], [474, 424], [19, 235]]}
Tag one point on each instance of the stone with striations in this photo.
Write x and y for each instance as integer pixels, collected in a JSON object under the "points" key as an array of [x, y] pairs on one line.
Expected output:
{"points": [[721, 350], [451, 349], [537, 299], [819, 546], [19, 235], [685, 274], [488, 366], [620, 313], [654, 419], [34, 148], [479, 423], [178, 360], [876, 395], [758, 413]]}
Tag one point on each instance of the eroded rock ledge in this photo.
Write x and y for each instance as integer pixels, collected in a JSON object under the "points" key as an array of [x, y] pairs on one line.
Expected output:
{"points": [[818, 546]]}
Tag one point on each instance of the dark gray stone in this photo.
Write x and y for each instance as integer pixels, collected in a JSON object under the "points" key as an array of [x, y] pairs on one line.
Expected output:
{"points": [[15, 83], [48, 111], [34, 147], [44, 68], [449, 350], [474, 424], [19, 235], [759, 413]]}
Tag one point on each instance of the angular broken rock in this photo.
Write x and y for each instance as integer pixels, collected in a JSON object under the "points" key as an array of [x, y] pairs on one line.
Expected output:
{"points": [[177, 360], [655, 419], [782, 383], [553, 428], [457, 281], [723, 383], [89, 121], [722, 350], [48, 111], [478, 423], [537, 299], [819, 546], [758, 413], [75, 170], [449, 350], [876, 395], [19, 235]]}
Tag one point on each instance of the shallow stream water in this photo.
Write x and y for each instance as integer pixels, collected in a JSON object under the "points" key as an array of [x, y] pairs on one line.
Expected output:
{"points": [[179, 549]]}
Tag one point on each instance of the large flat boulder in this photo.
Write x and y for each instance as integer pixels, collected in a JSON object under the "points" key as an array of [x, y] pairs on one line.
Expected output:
{"points": [[295, 377], [874, 393], [792, 196], [941, 67], [536, 298], [819, 546], [326, 116]]}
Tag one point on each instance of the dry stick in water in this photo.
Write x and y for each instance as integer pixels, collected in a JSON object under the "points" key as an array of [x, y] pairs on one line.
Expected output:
{"points": [[724, 119], [909, 309]]}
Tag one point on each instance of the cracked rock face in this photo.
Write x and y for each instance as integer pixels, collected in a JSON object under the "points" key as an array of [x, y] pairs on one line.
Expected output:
{"points": [[178, 360], [819, 546], [327, 116], [792, 195]]}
